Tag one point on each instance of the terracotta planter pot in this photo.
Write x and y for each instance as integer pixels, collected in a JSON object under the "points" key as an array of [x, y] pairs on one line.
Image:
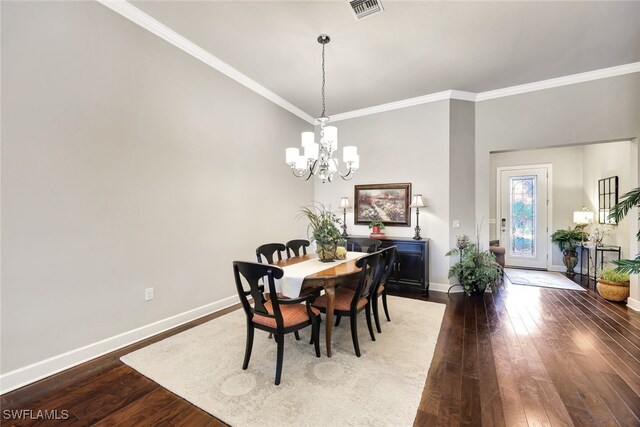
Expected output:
{"points": [[613, 291], [375, 229]]}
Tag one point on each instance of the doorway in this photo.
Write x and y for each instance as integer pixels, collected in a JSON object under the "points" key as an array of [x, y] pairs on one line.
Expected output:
{"points": [[523, 214]]}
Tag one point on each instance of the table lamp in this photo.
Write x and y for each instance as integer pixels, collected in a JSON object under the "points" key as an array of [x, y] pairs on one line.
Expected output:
{"points": [[582, 218], [344, 204], [416, 202]]}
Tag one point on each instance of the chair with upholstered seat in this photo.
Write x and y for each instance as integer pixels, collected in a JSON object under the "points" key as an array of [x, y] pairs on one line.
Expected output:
{"points": [[363, 244], [350, 302], [277, 316], [295, 247], [389, 257], [268, 250]]}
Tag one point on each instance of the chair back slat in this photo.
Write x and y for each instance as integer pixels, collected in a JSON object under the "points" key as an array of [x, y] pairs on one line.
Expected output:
{"points": [[268, 250], [363, 244], [253, 274], [370, 276], [294, 247], [389, 257]]}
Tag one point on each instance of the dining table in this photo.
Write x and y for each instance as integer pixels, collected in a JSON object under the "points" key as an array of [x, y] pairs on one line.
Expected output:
{"points": [[327, 279]]}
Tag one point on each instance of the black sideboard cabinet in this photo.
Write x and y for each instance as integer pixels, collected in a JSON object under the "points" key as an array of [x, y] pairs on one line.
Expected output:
{"points": [[411, 272]]}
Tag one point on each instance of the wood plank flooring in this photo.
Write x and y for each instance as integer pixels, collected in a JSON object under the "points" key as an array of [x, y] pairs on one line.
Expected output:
{"points": [[522, 356]]}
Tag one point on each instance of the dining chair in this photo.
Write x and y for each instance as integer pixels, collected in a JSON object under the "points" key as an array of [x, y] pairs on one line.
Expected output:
{"points": [[363, 244], [389, 257], [350, 302], [277, 316], [268, 250], [294, 246]]}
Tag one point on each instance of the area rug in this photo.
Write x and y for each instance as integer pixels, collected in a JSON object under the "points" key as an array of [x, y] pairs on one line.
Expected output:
{"points": [[545, 279], [382, 388]]}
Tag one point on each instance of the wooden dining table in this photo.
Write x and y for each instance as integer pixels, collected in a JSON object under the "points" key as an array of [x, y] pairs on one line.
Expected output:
{"points": [[328, 279]]}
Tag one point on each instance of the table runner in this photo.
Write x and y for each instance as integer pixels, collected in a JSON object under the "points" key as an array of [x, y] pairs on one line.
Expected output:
{"points": [[294, 275]]}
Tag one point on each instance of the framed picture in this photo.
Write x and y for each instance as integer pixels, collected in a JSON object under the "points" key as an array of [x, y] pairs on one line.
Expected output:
{"points": [[388, 203], [607, 198]]}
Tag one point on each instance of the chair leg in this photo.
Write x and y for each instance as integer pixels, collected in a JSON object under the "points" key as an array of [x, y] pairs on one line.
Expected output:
{"points": [[248, 347], [280, 340], [354, 333], [338, 318], [297, 335], [367, 312], [315, 333], [319, 322], [376, 315], [384, 304]]}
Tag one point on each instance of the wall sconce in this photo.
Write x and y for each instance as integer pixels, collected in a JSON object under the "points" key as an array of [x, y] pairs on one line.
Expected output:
{"points": [[344, 204], [416, 202]]}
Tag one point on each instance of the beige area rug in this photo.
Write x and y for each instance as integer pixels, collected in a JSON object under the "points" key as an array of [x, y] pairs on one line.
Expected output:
{"points": [[382, 388], [545, 279]]}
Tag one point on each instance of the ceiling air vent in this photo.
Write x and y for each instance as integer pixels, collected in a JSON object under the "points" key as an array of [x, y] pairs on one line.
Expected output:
{"points": [[363, 8]]}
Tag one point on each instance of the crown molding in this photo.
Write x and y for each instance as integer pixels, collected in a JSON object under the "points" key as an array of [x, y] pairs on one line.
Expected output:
{"points": [[137, 16], [154, 26], [561, 81]]}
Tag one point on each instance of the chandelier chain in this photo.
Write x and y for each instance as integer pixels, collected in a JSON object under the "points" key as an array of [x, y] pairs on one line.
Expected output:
{"points": [[323, 83]]}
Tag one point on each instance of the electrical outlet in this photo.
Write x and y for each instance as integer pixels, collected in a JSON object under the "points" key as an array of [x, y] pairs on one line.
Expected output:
{"points": [[148, 294], [456, 223]]}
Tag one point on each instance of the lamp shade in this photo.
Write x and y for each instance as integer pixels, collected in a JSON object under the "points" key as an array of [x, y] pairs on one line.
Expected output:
{"points": [[416, 201], [344, 203], [307, 138], [582, 217], [292, 155]]}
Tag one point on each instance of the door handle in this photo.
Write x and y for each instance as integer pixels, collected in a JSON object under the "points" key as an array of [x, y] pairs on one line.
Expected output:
{"points": [[503, 225]]}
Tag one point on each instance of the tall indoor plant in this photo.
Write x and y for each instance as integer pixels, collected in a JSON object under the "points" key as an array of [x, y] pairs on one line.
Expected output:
{"points": [[476, 270], [323, 229], [618, 212], [567, 240]]}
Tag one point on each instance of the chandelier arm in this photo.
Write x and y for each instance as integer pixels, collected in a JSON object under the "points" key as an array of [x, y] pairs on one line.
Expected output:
{"points": [[301, 175]]}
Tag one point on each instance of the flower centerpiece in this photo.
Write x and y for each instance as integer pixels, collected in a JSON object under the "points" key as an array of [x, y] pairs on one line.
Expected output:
{"points": [[599, 232], [323, 230], [477, 270]]}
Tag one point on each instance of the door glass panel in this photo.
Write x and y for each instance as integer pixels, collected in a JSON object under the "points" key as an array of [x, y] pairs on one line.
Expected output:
{"points": [[523, 216]]}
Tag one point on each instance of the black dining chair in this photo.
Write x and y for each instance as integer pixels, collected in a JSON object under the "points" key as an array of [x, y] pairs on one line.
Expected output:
{"points": [[296, 246], [276, 316], [268, 250], [363, 244], [349, 302], [389, 257]]}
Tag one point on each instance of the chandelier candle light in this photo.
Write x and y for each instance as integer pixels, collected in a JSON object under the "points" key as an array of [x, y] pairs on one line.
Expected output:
{"points": [[317, 159], [416, 202]]}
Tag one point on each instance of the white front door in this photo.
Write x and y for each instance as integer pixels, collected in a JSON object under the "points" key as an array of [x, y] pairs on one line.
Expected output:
{"points": [[522, 217]]}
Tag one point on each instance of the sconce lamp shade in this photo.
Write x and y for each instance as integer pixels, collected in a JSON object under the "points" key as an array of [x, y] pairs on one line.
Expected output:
{"points": [[583, 217], [344, 203], [416, 201]]}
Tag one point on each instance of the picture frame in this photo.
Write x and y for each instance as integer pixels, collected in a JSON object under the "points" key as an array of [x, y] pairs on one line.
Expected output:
{"points": [[607, 198], [388, 203]]}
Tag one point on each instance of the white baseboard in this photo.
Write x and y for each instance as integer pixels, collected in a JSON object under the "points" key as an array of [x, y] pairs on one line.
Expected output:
{"points": [[558, 268], [44, 368], [443, 287], [633, 304]]}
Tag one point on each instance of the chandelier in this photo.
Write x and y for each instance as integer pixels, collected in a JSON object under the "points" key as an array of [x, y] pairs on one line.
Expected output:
{"points": [[317, 159]]}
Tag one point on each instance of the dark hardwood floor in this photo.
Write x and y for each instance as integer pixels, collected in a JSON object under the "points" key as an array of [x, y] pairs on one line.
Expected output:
{"points": [[520, 356]]}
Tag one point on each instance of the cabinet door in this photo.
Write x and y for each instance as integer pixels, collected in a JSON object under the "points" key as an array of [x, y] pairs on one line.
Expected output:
{"points": [[410, 266]]}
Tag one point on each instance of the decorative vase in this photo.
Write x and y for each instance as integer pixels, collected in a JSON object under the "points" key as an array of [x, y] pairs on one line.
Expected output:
{"points": [[613, 291], [570, 260], [375, 229], [326, 252]]}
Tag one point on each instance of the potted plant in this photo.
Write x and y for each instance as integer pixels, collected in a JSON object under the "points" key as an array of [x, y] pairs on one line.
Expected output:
{"points": [[567, 240], [323, 229], [613, 285], [376, 226], [476, 270], [618, 212]]}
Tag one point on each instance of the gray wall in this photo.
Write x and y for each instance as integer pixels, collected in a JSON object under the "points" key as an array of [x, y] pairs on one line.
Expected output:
{"points": [[407, 145], [126, 164], [461, 173]]}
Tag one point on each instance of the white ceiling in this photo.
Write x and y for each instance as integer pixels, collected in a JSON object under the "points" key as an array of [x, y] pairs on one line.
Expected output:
{"points": [[411, 49]]}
